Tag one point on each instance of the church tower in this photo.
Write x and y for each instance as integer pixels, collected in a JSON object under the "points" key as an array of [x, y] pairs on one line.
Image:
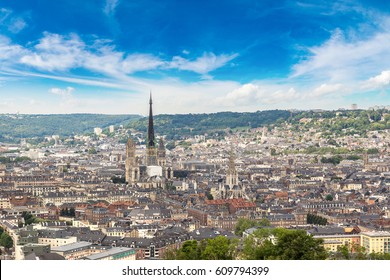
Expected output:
{"points": [[231, 175], [151, 149], [132, 169], [161, 153]]}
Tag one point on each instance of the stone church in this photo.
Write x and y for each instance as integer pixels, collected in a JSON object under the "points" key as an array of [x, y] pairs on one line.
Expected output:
{"points": [[154, 172]]}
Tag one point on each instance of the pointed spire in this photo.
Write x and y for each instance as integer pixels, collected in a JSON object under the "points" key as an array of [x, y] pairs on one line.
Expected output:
{"points": [[150, 126]]}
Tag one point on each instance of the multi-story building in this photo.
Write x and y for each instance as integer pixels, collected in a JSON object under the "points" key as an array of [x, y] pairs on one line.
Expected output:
{"points": [[376, 241], [333, 242]]}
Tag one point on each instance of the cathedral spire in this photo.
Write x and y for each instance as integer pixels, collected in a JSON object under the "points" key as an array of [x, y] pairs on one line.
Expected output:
{"points": [[150, 126]]}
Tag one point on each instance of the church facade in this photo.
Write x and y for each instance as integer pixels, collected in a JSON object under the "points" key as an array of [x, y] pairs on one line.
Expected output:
{"points": [[153, 172], [232, 188]]}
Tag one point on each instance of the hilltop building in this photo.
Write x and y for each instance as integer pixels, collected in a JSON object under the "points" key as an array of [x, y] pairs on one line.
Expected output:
{"points": [[155, 172]]}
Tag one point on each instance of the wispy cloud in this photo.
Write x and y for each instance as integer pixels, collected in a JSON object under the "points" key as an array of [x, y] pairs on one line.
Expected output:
{"points": [[55, 52], [351, 54], [110, 6], [9, 52], [338, 59], [10, 21], [202, 65]]}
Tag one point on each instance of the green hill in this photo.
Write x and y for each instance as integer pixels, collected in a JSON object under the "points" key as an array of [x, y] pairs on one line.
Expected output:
{"points": [[329, 123], [13, 127], [175, 126]]}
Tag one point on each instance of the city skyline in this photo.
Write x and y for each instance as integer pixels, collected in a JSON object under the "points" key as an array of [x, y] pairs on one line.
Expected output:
{"points": [[195, 57]]}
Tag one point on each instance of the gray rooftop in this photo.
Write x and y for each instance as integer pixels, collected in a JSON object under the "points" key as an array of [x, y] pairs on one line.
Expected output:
{"points": [[72, 246], [110, 252]]}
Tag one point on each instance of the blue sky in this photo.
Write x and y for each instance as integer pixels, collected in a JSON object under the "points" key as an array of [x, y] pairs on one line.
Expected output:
{"points": [[104, 56]]}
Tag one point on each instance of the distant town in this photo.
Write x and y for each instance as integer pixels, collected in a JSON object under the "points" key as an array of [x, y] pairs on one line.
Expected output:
{"points": [[118, 193]]}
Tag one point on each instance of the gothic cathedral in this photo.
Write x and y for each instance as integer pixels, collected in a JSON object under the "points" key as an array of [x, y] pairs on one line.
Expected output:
{"points": [[154, 172]]}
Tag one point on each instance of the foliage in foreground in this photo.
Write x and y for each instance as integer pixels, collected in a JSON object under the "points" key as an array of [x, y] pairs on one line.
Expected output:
{"points": [[264, 244]]}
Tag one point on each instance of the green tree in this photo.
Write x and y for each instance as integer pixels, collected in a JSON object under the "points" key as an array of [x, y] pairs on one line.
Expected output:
{"points": [[118, 180], [372, 151], [188, 251], [6, 240], [219, 248], [344, 251], [242, 225], [329, 197], [283, 244], [28, 218], [298, 245]]}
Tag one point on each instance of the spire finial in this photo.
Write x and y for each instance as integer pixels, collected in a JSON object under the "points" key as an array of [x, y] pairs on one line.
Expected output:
{"points": [[150, 127]]}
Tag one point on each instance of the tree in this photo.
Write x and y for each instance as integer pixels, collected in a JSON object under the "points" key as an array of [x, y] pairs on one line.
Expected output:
{"points": [[209, 196], [316, 220], [242, 225], [219, 248], [329, 197], [188, 251], [344, 251], [283, 244], [298, 245], [28, 218], [118, 180], [372, 151], [6, 240], [72, 212]]}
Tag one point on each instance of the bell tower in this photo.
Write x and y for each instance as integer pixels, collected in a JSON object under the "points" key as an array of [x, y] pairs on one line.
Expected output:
{"points": [[132, 170]]}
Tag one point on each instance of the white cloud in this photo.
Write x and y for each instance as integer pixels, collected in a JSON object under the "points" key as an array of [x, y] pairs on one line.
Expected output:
{"points": [[326, 89], [9, 52], [56, 52], [381, 80], [141, 62], [255, 96], [65, 93], [341, 58], [245, 94], [201, 65]]}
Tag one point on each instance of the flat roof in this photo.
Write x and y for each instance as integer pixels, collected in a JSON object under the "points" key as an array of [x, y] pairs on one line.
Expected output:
{"points": [[72, 246], [376, 233], [110, 252]]}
